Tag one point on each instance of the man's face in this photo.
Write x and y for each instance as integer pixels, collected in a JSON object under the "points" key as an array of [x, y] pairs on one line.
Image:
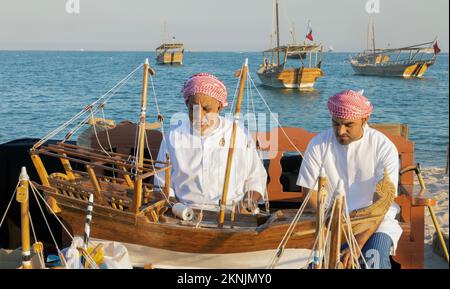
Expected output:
{"points": [[347, 131], [203, 112]]}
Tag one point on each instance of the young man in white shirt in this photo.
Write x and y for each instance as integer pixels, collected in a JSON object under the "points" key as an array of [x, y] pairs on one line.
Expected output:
{"points": [[198, 150], [353, 152]]}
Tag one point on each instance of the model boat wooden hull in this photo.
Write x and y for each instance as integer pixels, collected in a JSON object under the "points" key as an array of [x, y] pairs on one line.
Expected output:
{"points": [[297, 78], [403, 69], [180, 236]]}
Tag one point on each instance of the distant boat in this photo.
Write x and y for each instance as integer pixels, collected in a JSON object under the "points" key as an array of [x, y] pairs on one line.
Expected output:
{"points": [[410, 62], [169, 52], [278, 75], [330, 49]]}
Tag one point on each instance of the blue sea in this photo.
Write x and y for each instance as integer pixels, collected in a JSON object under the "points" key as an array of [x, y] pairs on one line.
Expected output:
{"points": [[40, 90]]}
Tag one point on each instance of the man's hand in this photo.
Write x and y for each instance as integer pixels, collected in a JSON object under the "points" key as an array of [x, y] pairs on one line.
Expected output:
{"points": [[361, 239], [249, 204], [346, 258]]}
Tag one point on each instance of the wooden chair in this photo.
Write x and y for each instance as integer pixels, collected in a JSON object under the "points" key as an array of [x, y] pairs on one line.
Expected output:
{"points": [[396, 129], [410, 251], [122, 138]]}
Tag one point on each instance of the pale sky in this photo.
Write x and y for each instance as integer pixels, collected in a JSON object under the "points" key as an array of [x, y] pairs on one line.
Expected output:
{"points": [[215, 25]]}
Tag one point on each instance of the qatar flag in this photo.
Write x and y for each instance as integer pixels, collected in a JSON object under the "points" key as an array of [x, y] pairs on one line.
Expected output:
{"points": [[309, 33], [436, 48]]}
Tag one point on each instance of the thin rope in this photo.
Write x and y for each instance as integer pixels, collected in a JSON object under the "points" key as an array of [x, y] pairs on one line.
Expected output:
{"points": [[40, 256], [83, 111], [154, 169], [260, 155], [278, 123], [288, 234], [90, 108], [233, 101], [96, 136], [46, 222], [326, 216], [348, 236], [9, 204], [36, 192], [355, 242], [109, 140]]}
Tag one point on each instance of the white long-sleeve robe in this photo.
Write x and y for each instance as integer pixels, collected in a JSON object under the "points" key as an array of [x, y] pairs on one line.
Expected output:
{"points": [[199, 163], [360, 165]]}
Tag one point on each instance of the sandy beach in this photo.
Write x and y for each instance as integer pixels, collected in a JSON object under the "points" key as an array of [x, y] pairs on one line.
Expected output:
{"points": [[437, 185]]}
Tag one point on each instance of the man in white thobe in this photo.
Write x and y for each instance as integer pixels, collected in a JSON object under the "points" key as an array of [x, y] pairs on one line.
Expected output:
{"points": [[357, 155], [198, 150]]}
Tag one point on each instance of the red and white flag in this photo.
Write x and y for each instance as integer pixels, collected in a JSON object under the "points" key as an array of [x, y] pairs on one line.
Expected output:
{"points": [[309, 32], [436, 48]]}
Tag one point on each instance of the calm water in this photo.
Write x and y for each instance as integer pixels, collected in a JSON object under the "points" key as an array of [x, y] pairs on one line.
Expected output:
{"points": [[40, 90]]}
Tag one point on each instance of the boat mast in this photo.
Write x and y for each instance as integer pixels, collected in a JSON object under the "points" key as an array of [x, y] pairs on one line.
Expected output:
{"points": [[141, 142], [23, 199], [371, 34], [237, 112], [293, 33], [278, 33], [165, 36]]}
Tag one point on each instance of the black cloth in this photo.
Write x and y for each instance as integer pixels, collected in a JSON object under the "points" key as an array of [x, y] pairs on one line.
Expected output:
{"points": [[14, 155]]}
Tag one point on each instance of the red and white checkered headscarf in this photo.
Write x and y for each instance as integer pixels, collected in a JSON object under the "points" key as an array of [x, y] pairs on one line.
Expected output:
{"points": [[350, 105], [207, 84]]}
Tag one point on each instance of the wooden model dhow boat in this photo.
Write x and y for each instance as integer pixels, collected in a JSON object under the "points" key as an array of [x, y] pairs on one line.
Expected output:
{"points": [[412, 61], [278, 74], [170, 53], [128, 208]]}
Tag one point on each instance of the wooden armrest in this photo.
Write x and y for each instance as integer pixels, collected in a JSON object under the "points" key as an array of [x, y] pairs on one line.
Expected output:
{"points": [[413, 192]]}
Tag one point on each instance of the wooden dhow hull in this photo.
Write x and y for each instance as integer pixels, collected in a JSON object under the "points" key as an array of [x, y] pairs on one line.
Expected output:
{"points": [[403, 69], [293, 78], [172, 58]]}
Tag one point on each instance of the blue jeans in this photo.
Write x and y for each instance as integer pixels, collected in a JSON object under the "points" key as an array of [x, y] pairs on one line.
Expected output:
{"points": [[376, 251]]}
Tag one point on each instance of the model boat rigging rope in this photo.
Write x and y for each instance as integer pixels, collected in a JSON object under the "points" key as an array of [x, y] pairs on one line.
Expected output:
{"points": [[83, 111], [40, 255], [33, 189], [288, 234], [94, 110], [9, 204], [276, 120], [36, 192]]}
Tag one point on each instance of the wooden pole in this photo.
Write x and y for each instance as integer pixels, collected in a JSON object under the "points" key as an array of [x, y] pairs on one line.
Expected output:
{"points": [[438, 232], [223, 202], [278, 34], [167, 176], [321, 194], [336, 230], [141, 142], [43, 175], [96, 185], [67, 168], [22, 198]]}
